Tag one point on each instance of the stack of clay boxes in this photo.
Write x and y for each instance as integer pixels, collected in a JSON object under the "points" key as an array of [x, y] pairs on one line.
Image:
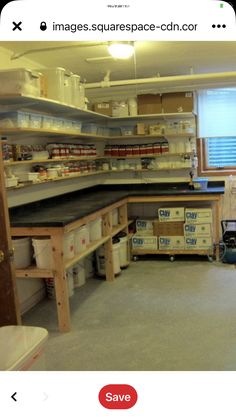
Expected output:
{"points": [[144, 237], [169, 228], [198, 228]]}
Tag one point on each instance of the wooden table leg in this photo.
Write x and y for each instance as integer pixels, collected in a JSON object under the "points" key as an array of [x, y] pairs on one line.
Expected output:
{"points": [[60, 283], [106, 230], [217, 228]]}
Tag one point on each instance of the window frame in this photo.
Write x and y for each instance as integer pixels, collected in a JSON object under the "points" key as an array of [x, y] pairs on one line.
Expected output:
{"points": [[203, 168]]}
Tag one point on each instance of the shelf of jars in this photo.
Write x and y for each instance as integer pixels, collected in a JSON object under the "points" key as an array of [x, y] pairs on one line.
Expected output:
{"points": [[148, 156], [51, 161], [150, 137]]}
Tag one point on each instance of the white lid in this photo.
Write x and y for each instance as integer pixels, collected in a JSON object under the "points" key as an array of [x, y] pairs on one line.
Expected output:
{"points": [[18, 344]]}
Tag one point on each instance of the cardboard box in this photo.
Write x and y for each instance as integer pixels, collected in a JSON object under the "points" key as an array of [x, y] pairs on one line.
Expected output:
{"points": [[144, 242], [171, 242], [198, 243], [144, 227], [105, 108], [149, 104], [174, 228], [177, 102], [171, 214], [198, 215], [197, 230]]}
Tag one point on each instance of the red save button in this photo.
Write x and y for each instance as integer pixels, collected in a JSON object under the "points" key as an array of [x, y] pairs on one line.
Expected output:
{"points": [[118, 396]]}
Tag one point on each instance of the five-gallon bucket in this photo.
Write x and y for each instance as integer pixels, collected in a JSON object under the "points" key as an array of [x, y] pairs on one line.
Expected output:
{"points": [[123, 251], [115, 217], [100, 258], [22, 252], [69, 245], [95, 229], [81, 239], [79, 274], [43, 252]]}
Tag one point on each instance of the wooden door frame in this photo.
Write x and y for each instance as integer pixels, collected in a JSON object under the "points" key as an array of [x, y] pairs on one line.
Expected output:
{"points": [[9, 303]]}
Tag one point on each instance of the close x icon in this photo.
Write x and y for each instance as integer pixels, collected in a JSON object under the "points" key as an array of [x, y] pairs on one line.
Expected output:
{"points": [[17, 26]]}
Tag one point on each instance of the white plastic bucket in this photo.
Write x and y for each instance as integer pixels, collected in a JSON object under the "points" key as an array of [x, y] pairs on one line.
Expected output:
{"points": [[95, 229], [22, 252], [43, 252], [55, 79], [115, 217], [89, 266], [70, 282], [81, 239], [123, 252], [69, 245], [100, 258], [68, 88], [79, 274], [75, 88]]}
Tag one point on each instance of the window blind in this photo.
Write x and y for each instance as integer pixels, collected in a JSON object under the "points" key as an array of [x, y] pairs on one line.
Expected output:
{"points": [[217, 113], [221, 152]]}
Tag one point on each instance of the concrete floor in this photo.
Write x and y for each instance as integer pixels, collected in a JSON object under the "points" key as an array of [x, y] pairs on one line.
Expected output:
{"points": [[156, 316]]}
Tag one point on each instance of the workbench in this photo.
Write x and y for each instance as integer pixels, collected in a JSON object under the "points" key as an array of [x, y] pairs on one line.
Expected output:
{"points": [[55, 217]]}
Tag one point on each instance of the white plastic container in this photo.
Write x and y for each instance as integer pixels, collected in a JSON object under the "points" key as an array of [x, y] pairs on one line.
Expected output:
{"points": [[68, 88], [69, 245], [22, 348], [75, 90], [82, 100], [89, 266], [123, 251], [70, 282], [10, 182], [22, 252], [89, 128], [43, 252], [20, 81], [100, 259], [81, 239], [115, 217], [14, 120], [79, 274], [47, 122], [55, 81], [52, 173], [35, 121], [95, 229], [133, 107]]}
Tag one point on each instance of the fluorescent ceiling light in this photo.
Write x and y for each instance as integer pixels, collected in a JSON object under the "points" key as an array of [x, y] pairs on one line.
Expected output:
{"points": [[121, 50]]}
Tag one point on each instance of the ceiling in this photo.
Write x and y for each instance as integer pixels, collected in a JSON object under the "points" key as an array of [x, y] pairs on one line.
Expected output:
{"points": [[92, 61], [151, 58]]}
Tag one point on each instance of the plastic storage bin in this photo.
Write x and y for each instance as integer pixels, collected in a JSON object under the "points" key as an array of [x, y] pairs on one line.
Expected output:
{"points": [[35, 121], [20, 81], [22, 252], [22, 348], [15, 120]]}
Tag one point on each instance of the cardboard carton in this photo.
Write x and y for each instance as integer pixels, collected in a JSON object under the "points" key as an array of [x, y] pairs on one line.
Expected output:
{"points": [[177, 102]]}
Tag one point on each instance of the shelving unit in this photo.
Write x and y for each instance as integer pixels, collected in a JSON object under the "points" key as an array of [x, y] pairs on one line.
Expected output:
{"points": [[50, 133], [149, 137], [49, 161]]}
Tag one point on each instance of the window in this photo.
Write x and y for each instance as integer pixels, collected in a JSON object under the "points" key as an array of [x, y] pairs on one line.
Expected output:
{"points": [[217, 130]]}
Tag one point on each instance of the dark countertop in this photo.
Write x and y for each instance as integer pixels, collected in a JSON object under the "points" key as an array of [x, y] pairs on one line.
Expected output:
{"points": [[64, 209]]}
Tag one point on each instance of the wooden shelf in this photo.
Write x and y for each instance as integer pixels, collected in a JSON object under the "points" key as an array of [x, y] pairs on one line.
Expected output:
{"points": [[172, 252], [149, 137], [34, 272], [59, 179], [163, 116], [146, 156], [52, 107], [91, 248], [60, 160], [50, 133], [117, 229]]}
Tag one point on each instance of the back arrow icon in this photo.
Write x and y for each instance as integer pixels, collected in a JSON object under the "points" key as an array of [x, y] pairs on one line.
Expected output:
{"points": [[13, 396]]}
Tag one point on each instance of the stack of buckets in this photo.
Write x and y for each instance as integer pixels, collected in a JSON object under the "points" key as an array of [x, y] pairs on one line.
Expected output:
{"points": [[119, 253]]}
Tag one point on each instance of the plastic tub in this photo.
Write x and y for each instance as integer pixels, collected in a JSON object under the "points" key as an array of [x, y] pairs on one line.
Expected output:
{"points": [[79, 274], [69, 245], [22, 348], [123, 251], [95, 229], [20, 81], [100, 258], [22, 252], [15, 120], [55, 81], [81, 239], [200, 183], [43, 252]]}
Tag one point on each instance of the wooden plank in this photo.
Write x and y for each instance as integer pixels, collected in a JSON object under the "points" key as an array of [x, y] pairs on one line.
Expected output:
{"points": [[34, 272], [171, 252], [34, 231], [9, 303], [174, 198], [91, 248], [60, 281], [118, 228]]}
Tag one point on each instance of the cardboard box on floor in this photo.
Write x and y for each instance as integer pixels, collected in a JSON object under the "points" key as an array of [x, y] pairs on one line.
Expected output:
{"points": [[174, 228], [171, 242], [144, 242], [201, 243], [197, 230], [177, 102], [149, 104]]}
